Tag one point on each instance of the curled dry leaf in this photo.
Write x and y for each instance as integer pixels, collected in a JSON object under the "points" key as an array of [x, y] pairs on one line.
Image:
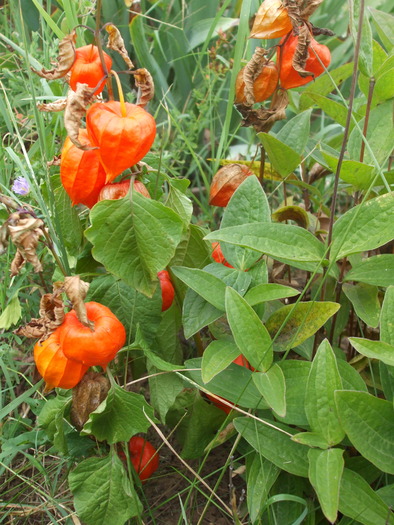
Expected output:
{"points": [[301, 53], [87, 396], [309, 7], [263, 119], [77, 103], [294, 12], [76, 290], [51, 316], [252, 70], [25, 232], [144, 83], [3, 238], [55, 161], [116, 43], [59, 105], [64, 61]]}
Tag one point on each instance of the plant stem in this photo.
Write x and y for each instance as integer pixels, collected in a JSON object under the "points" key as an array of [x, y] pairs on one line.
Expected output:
{"points": [[345, 134], [120, 93]]}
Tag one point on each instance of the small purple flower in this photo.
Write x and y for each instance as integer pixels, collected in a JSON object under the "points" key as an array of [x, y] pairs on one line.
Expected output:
{"points": [[21, 186]]}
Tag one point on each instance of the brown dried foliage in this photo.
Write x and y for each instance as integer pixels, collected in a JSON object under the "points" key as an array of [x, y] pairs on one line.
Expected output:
{"points": [[25, 231], [252, 70], [77, 103], [301, 53], [65, 59], [263, 119], [116, 43], [87, 396], [144, 83], [76, 290], [59, 105]]}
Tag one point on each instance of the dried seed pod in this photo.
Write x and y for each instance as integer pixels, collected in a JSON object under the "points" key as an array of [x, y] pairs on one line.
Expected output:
{"points": [[87, 396], [225, 182], [272, 20]]}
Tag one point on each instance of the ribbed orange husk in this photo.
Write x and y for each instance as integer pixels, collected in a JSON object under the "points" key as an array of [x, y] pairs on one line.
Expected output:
{"points": [[225, 182], [123, 140], [263, 86], [87, 68], [217, 255], [55, 368], [81, 172], [272, 20], [167, 290], [118, 190], [288, 76], [96, 346]]}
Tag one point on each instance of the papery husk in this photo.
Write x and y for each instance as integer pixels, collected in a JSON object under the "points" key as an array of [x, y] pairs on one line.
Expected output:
{"points": [[301, 53], [225, 182], [87, 396], [65, 59], [116, 43], [145, 85], [59, 105], [76, 290], [263, 119], [77, 103], [25, 232]]}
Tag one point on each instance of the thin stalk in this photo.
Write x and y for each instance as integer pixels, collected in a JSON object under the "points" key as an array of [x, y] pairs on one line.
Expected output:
{"points": [[346, 132], [338, 297], [120, 93]]}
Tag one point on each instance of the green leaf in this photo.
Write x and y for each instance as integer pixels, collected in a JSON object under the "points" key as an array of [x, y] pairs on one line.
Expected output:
{"points": [[333, 109], [51, 416], [134, 239], [377, 270], [384, 24], [325, 473], [311, 439], [268, 292], [11, 313], [249, 204], [261, 475], [274, 445], [217, 357], [365, 59], [274, 239], [249, 333], [374, 349], [365, 301], [353, 172], [102, 491], [358, 501], [364, 227], [320, 408], [132, 308], [283, 158], [272, 386], [380, 135], [323, 85], [69, 221], [386, 373], [181, 204], [304, 320], [192, 251], [119, 416], [210, 287], [202, 28], [386, 317], [369, 424], [235, 384], [351, 379], [296, 374], [295, 133]]}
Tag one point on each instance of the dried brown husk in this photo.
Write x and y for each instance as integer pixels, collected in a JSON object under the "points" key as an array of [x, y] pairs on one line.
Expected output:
{"points": [[301, 53], [77, 103], [294, 11], [116, 43], [263, 119], [25, 232], [65, 59], [87, 396], [55, 161], [144, 83], [309, 7], [252, 70], [3, 238], [76, 290], [59, 105]]}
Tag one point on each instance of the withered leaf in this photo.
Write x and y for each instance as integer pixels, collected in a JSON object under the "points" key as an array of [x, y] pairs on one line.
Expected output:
{"points": [[251, 71], [55, 161], [87, 396], [294, 11], [59, 105], [309, 7], [65, 59], [76, 290], [144, 83], [51, 316], [116, 43], [77, 103], [3, 238], [25, 232], [263, 119], [301, 53]]}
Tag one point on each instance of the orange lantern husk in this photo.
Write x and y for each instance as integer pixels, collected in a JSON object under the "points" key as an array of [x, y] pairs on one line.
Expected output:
{"points": [[271, 21], [319, 58], [95, 345], [167, 290], [225, 182], [81, 172], [118, 190], [55, 368], [124, 133], [87, 68], [263, 86]]}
